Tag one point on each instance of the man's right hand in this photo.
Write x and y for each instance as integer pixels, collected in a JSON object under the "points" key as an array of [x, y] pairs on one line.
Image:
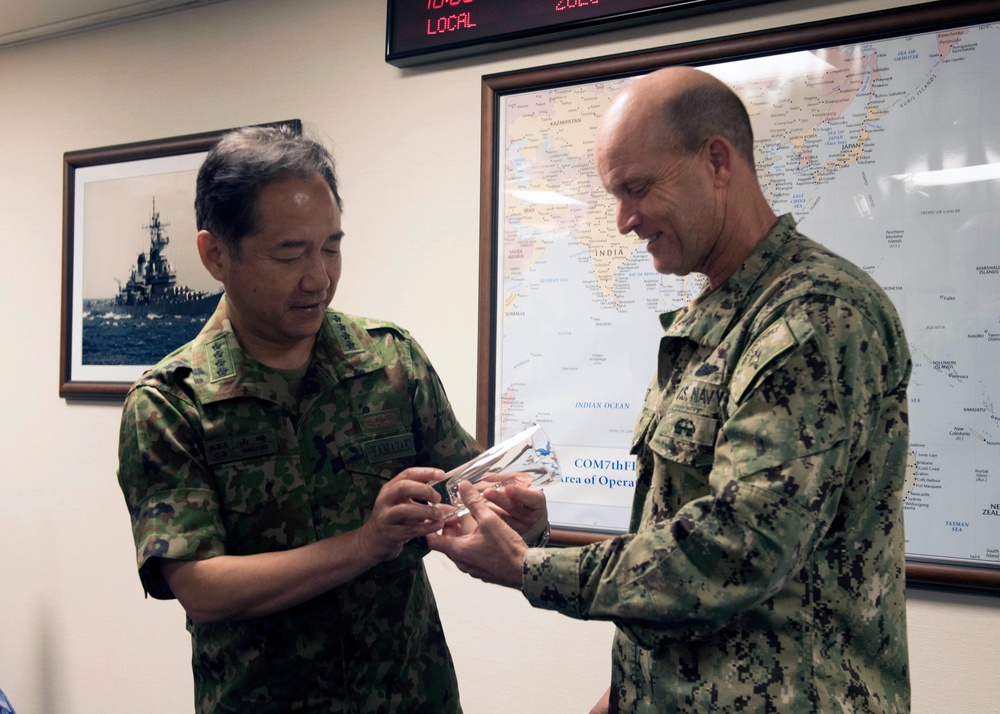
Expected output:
{"points": [[406, 508], [236, 587]]}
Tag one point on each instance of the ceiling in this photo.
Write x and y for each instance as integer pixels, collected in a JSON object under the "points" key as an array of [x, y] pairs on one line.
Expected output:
{"points": [[27, 20]]}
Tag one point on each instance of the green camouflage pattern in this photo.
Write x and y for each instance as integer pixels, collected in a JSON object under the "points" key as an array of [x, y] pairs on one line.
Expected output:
{"points": [[218, 457], [763, 570]]}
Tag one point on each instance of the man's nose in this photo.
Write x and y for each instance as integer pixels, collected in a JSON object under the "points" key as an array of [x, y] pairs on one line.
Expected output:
{"points": [[316, 278], [626, 217]]}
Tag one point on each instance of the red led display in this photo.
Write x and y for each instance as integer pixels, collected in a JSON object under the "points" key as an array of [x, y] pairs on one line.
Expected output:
{"points": [[427, 30]]}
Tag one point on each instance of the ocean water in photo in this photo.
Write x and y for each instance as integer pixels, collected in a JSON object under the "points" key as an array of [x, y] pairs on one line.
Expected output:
{"points": [[113, 337]]}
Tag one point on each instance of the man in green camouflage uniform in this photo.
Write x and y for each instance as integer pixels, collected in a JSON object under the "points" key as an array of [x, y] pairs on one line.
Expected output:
{"points": [[763, 569], [259, 462]]}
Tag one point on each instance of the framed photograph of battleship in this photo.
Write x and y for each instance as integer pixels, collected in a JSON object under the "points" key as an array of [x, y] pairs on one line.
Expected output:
{"points": [[133, 286]]}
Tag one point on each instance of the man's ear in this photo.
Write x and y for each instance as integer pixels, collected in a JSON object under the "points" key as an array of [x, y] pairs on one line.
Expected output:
{"points": [[722, 155], [214, 254]]}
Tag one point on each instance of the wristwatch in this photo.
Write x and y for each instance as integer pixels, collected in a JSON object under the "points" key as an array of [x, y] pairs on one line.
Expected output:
{"points": [[542, 538]]}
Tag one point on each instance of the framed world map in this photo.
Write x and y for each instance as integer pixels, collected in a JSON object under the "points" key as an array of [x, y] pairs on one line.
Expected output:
{"points": [[878, 134]]}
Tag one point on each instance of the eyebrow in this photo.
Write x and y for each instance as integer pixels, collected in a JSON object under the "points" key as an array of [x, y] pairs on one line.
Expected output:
{"points": [[290, 244]]}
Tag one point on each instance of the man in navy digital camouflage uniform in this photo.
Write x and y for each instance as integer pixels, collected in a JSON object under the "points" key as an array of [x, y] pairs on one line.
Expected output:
{"points": [[763, 569], [276, 468]]}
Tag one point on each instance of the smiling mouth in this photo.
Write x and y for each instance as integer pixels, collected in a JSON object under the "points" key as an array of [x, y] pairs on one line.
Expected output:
{"points": [[320, 303], [309, 308]]}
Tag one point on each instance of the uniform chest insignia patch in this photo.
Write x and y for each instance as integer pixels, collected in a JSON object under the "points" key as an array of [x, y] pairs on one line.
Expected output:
{"points": [[380, 422], [772, 342], [240, 446], [700, 397], [389, 447], [683, 426]]}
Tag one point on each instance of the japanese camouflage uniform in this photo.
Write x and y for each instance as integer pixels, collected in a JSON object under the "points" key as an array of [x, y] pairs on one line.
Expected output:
{"points": [[218, 457], [763, 570]]}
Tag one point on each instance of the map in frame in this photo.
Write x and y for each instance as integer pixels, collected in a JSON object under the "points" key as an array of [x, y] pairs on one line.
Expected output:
{"points": [[886, 151]]}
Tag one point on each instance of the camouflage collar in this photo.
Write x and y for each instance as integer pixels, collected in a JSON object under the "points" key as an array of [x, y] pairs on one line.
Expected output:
{"points": [[343, 349], [708, 322], [346, 349]]}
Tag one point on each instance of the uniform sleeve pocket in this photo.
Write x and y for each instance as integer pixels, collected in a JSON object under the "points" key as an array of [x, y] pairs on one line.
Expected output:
{"points": [[789, 407]]}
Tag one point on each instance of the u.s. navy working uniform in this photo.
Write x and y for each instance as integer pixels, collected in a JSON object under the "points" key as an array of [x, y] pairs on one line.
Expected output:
{"points": [[763, 570], [218, 456]]}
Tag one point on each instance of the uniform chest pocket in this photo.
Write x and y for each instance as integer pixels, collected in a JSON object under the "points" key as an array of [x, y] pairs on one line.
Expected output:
{"points": [[264, 504], [685, 438], [370, 463], [247, 485]]}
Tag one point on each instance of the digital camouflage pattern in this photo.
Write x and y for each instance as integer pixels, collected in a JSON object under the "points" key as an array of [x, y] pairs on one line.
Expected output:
{"points": [[763, 570], [218, 457]]}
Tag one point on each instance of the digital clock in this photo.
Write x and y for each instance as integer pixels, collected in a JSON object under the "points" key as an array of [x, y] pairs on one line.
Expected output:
{"points": [[427, 30]]}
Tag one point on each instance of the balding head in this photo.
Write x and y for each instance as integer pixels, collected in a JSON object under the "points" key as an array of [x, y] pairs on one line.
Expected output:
{"points": [[683, 106]]}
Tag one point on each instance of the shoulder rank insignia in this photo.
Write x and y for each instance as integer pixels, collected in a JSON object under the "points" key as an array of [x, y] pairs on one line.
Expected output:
{"points": [[345, 335], [220, 359]]}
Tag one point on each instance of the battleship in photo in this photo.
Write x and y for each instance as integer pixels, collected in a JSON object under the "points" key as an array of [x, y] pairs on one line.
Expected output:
{"points": [[152, 286], [150, 316]]}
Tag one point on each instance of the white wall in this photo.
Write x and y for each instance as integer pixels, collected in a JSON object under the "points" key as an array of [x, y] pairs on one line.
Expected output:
{"points": [[76, 635]]}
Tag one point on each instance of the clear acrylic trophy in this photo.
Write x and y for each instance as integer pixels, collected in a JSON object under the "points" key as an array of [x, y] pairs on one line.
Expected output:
{"points": [[526, 459]]}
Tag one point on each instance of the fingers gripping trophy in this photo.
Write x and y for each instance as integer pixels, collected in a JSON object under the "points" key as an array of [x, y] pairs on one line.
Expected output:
{"points": [[526, 459]]}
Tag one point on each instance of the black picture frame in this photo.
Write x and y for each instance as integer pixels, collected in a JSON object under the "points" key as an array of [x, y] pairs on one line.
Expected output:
{"points": [[882, 25], [99, 185]]}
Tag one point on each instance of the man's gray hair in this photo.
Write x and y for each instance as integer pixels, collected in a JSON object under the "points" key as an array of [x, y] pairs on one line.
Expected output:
{"points": [[238, 168], [697, 113]]}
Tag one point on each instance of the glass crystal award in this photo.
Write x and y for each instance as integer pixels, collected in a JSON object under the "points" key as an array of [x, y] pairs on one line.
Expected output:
{"points": [[525, 459]]}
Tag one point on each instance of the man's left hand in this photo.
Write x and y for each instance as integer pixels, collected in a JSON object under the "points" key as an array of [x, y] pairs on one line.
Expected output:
{"points": [[521, 508], [491, 551]]}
